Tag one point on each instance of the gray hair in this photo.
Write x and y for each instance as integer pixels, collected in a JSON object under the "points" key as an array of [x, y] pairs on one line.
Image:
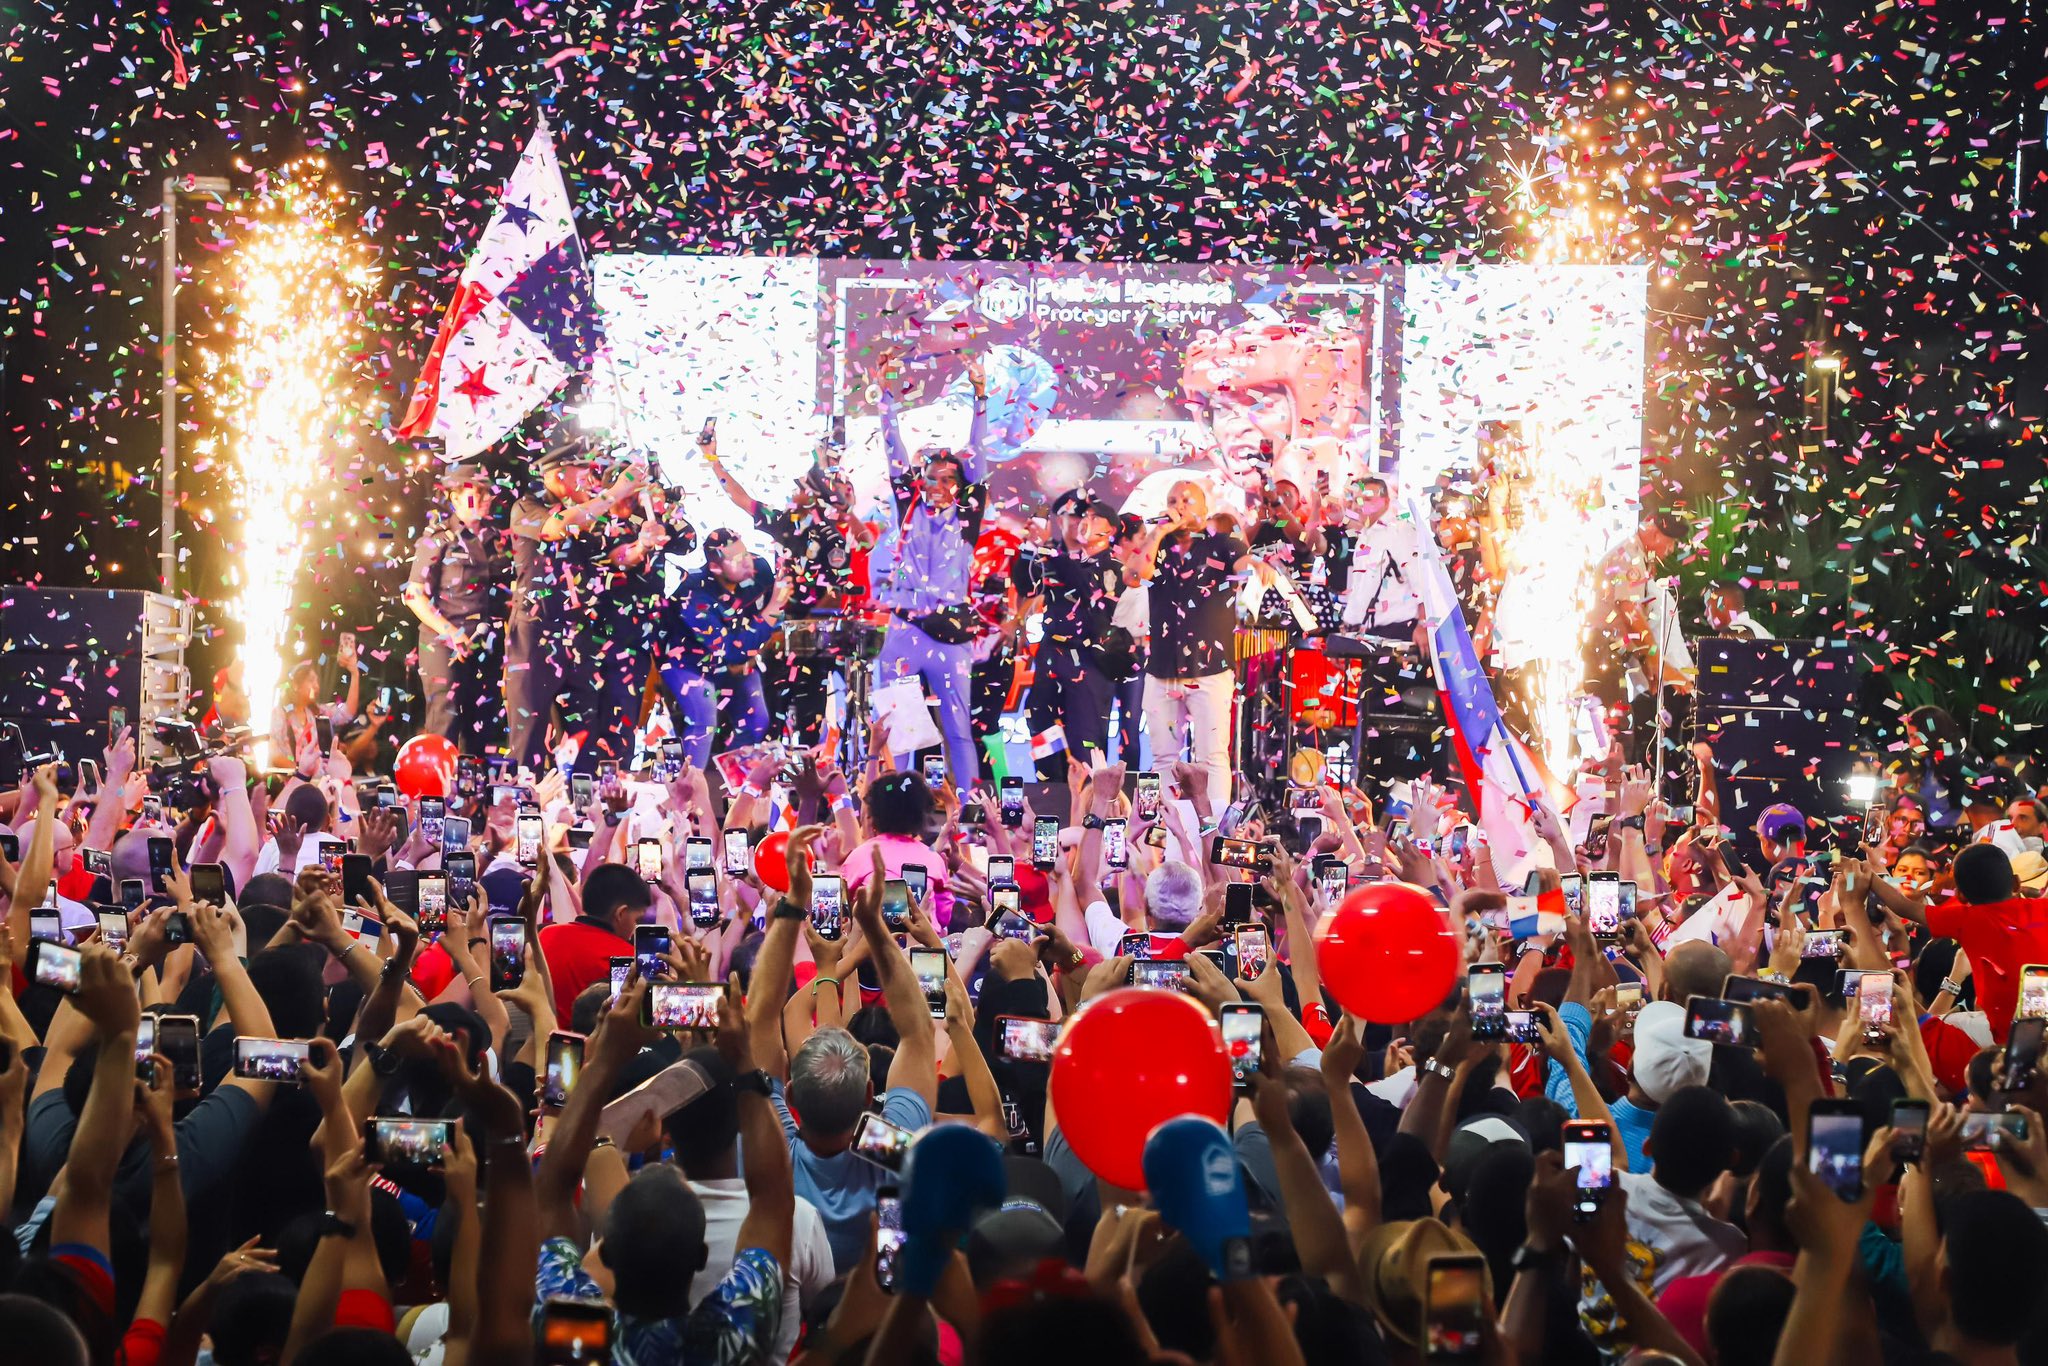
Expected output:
{"points": [[828, 1082], [1173, 895]]}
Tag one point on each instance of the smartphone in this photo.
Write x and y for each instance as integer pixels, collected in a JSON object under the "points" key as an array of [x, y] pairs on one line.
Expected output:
{"points": [[461, 870], [1021, 1038], [621, 969], [1522, 1027], [1045, 841], [2033, 992], [1251, 855], [1004, 901], [98, 862], [1874, 1004], [880, 1142], [930, 967], [117, 721], [565, 1060], [469, 774], [650, 942], [739, 853], [133, 893], [1746, 989], [1909, 1129], [527, 836], [1002, 870], [1461, 841], [58, 965], [1834, 1145], [152, 810], [828, 905], [575, 1332], [323, 732], [1237, 903], [145, 1044], [681, 1005], [177, 1038], [2022, 1054], [1011, 802], [669, 766], [896, 902], [389, 1139], [1981, 1130], [281, 1060], [1719, 1021], [1335, 881], [1146, 804], [430, 897], [1244, 1029], [161, 855], [1589, 1147], [46, 927], [1136, 944], [1574, 888], [1628, 996], [1164, 973], [1822, 944], [355, 879], [177, 928], [1603, 905], [454, 836], [1308, 824], [647, 858], [701, 887], [1454, 1307], [582, 790], [508, 952], [889, 1238], [1628, 903], [1115, 851], [114, 929], [1253, 951], [934, 770], [1486, 990]]}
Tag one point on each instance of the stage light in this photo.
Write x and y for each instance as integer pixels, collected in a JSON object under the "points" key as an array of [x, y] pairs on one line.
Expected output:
{"points": [[1862, 788], [1827, 362]]}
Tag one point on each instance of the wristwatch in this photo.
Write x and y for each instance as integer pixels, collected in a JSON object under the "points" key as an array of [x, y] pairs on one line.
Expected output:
{"points": [[1439, 1069], [1528, 1256], [1091, 821], [332, 1225], [785, 909], [383, 1061], [755, 1081], [1629, 823]]}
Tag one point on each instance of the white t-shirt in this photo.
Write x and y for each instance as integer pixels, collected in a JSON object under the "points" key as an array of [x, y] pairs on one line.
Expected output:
{"points": [[810, 1255]]}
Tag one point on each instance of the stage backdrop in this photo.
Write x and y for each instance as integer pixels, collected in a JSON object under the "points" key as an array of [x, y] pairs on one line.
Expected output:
{"points": [[1121, 375]]}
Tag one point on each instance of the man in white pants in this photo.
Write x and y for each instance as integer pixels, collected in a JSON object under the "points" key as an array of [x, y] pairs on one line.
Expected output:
{"points": [[1189, 683]]}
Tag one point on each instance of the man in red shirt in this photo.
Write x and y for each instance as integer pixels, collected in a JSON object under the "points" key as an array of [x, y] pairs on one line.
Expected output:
{"points": [[2000, 930], [580, 951]]}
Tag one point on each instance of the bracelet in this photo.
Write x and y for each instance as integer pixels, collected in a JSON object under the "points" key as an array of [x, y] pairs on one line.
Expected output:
{"points": [[479, 939], [602, 1141], [509, 1141], [1951, 986], [475, 979], [821, 977], [1439, 1069]]}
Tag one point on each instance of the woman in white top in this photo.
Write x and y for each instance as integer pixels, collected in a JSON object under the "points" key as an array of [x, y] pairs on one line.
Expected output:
{"points": [[292, 725]]}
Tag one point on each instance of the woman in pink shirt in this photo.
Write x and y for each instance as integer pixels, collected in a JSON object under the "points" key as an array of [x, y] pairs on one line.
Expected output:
{"points": [[899, 810]]}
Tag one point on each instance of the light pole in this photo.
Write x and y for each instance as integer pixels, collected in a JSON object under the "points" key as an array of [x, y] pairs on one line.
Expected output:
{"points": [[167, 476]]}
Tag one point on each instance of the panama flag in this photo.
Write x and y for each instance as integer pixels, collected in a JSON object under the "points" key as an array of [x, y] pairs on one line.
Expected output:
{"points": [[1505, 780], [523, 321]]}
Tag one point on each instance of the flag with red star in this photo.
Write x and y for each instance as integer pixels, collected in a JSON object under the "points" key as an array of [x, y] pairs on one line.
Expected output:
{"points": [[523, 321]]}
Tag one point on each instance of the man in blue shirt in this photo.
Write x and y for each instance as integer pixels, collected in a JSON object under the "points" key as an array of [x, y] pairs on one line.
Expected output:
{"points": [[923, 564], [711, 646]]}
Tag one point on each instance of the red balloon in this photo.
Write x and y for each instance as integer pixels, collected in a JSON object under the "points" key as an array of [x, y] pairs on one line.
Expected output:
{"points": [[1388, 953], [425, 766], [771, 861], [1126, 1063]]}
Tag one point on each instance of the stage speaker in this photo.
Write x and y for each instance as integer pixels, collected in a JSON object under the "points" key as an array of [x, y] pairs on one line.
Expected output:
{"points": [[70, 657], [1780, 718]]}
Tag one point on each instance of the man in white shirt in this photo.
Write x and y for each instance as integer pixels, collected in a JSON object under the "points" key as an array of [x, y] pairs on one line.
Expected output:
{"points": [[1728, 615], [705, 1137], [1380, 594]]}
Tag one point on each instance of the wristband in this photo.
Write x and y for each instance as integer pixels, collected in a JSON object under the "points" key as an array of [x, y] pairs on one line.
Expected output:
{"points": [[1091, 821], [1438, 1069], [479, 939], [1951, 986], [821, 977]]}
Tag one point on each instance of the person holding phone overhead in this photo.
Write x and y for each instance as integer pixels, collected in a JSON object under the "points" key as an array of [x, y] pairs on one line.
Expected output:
{"points": [[460, 570], [898, 811], [923, 566], [1080, 582], [587, 575], [711, 636], [296, 722]]}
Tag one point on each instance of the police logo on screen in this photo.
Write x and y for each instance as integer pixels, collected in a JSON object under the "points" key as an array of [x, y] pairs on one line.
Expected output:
{"points": [[1003, 301]]}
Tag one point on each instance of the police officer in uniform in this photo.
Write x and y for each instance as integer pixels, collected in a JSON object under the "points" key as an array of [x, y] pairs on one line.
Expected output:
{"points": [[1080, 583], [458, 591], [587, 579]]}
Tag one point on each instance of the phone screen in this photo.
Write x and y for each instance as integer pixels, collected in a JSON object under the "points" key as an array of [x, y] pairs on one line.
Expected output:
{"points": [[454, 835], [889, 1238], [1603, 905], [650, 942], [565, 1059], [417, 1142], [530, 828], [1002, 870], [160, 856], [1455, 1318], [1012, 802], [58, 965], [647, 852], [1335, 882], [2022, 1054], [1045, 841], [461, 878], [739, 855], [828, 905], [1834, 1150], [1909, 1129], [1114, 851], [1588, 1148], [917, 878], [702, 887], [1574, 888], [930, 967], [896, 903], [431, 897], [177, 1038], [697, 853], [880, 1142], [1243, 1030], [114, 929], [682, 1005], [508, 952], [1486, 985], [575, 1333], [1719, 1021], [1146, 807], [279, 1060], [582, 788], [1874, 1002], [2033, 992], [1252, 952], [1021, 1039]]}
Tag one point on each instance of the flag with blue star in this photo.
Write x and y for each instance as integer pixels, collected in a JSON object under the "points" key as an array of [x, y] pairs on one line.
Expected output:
{"points": [[524, 319]]}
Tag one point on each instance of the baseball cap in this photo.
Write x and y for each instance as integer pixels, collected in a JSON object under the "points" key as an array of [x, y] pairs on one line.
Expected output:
{"points": [[1013, 1240], [564, 450], [1778, 821], [461, 473], [1666, 1061], [1473, 1140]]}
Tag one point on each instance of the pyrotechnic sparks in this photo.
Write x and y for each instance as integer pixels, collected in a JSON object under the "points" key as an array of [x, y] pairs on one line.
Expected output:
{"points": [[297, 281]]}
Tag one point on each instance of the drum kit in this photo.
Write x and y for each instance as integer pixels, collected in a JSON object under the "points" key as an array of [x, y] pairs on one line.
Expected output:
{"points": [[849, 643]]}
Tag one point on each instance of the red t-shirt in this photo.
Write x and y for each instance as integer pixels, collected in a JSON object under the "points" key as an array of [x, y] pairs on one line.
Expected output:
{"points": [[579, 953], [2001, 937], [1684, 1301]]}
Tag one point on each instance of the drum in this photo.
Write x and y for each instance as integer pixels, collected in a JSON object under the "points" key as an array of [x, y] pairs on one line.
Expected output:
{"points": [[833, 638]]}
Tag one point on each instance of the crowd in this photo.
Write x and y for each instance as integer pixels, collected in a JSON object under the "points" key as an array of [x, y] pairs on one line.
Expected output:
{"points": [[311, 1070]]}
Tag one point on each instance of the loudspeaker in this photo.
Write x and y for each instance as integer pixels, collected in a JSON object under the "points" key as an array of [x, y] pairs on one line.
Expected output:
{"points": [[69, 657]]}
